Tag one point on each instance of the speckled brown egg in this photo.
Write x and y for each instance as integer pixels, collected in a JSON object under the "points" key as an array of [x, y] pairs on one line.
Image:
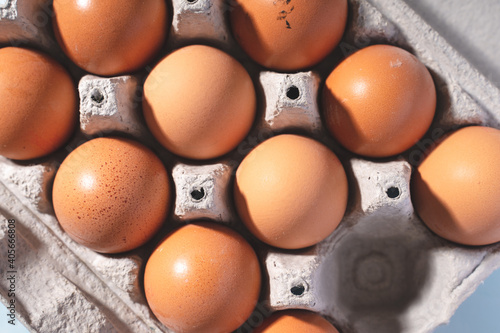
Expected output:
{"points": [[379, 101], [296, 321], [288, 35], [291, 191], [37, 104], [110, 37], [111, 194], [456, 188], [203, 277], [199, 102]]}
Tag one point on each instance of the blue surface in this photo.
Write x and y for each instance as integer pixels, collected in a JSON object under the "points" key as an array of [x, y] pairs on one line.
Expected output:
{"points": [[5, 327], [480, 313]]}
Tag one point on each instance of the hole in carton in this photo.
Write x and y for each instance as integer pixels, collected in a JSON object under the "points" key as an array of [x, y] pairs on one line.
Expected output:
{"points": [[392, 192], [198, 193], [293, 92], [298, 290], [97, 96]]}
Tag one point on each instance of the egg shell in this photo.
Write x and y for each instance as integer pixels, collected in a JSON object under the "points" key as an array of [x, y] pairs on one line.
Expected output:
{"points": [[291, 191], [111, 194], [203, 277], [37, 104], [379, 101], [199, 102], [110, 37], [296, 321], [288, 35], [456, 189]]}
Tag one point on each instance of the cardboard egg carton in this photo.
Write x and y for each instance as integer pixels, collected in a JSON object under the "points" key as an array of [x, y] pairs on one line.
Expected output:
{"points": [[382, 270], [25, 23]]}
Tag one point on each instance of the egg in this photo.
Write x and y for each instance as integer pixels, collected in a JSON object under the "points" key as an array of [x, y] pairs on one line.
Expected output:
{"points": [[455, 190], [199, 102], [291, 191], [37, 104], [379, 101], [111, 194], [113, 36], [203, 277], [296, 321], [288, 35]]}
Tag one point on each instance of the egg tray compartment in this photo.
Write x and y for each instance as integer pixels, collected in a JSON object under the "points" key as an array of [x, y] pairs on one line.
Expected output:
{"points": [[382, 270]]}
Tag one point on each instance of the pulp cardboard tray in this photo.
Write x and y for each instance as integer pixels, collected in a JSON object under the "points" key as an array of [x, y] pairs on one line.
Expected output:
{"points": [[382, 270]]}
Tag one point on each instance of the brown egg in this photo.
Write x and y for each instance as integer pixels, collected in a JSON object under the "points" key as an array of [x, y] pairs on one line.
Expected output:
{"points": [[113, 36], [291, 191], [379, 101], [111, 194], [203, 277], [288, 35], [296, 321], [37, 104], [456, 189], [199, 102]]}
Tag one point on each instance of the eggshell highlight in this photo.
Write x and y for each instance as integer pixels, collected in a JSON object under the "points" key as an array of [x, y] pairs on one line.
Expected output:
{"points": [[113, 36], [379, 101], [296, 321], [37, 104], [203, 277], [288, 35], [199, 102], [456, 189], [291, 191], [111, 194]]}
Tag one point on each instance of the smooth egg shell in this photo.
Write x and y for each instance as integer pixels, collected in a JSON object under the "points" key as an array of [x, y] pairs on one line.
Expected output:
{"points": [[203, 277], [288, 35], [113, 36], [111, 194], [296, 321], [456, 188], [199, 102], [379, 101], [291, 191], [37, 104]]}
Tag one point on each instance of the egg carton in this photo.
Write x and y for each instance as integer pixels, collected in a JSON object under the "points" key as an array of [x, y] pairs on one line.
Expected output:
{"points": [[26, 23], [382, 270]]}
